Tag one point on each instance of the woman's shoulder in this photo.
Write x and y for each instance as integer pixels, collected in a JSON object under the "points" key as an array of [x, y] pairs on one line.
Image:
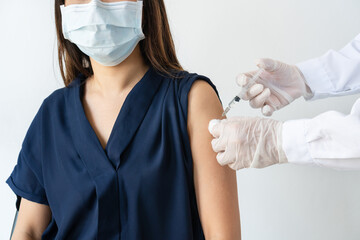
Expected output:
{"points": [[55, 99], [184, 77], [59, 97], [56, 95], [186, 82]]}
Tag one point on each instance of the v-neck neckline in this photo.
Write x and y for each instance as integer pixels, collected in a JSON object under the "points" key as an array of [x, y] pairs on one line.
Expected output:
{"points": [[132, 113], [79, 97]]}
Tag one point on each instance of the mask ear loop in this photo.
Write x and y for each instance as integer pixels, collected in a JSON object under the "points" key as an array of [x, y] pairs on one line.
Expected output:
{"points": [[85, 63]]}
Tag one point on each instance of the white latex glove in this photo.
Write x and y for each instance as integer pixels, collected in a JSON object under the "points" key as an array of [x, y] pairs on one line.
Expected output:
{"points": [[243, 142], [277, 86]]}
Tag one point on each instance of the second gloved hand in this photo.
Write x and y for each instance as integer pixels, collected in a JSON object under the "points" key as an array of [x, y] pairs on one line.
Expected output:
{"points": [[277, 86], [243, 142]]}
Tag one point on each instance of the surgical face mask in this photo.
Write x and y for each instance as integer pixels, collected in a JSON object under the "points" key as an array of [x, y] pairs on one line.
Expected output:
{"points": [[106, 31]]}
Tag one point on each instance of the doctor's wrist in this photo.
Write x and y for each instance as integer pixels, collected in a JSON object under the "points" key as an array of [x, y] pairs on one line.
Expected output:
{"points": [[307, 92], [281, 153]]}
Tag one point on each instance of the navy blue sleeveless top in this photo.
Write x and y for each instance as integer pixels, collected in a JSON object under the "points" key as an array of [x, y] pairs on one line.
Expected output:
{"points": [[139, 187]]}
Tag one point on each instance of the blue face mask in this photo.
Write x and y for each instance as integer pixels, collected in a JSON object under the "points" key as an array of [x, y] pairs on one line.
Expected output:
{"points": [[106, 32]]}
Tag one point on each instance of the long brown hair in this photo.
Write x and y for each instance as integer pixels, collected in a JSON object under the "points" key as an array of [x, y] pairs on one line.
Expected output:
{"points": [[157, 48]]}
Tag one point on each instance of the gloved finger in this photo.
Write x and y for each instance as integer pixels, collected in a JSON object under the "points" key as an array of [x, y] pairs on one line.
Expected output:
{"points": [[269, 64], [242, 80], [238, 119], [236, 165], [253, 91], [214, 127], [259, 100], [248, 91], [226, 157], [218, 145]]}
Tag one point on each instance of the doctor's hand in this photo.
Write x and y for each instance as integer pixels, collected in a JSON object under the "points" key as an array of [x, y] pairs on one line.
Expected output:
{"points": [[247, 142], [277, 86]]}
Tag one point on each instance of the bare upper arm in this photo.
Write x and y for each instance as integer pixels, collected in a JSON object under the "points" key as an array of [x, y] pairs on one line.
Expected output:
{"points": [[215, 186], [32, 220]]}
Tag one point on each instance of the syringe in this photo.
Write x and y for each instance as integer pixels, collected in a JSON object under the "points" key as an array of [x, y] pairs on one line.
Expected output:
{"points": [[237, 98]]}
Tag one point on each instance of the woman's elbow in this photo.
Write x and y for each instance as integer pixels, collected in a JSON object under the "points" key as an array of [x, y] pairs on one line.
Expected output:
{"points": [[22, 235]]}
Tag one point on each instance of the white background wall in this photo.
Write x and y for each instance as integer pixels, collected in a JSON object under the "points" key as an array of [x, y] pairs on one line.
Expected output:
{"points": [[218, 39]]}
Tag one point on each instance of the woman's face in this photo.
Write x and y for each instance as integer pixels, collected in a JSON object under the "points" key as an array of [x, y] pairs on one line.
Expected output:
{"points": [[69, 2]]}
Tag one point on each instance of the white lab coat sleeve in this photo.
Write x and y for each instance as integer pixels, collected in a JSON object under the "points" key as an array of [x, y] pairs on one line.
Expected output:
{"points": [[336, 73], [331, 139]]}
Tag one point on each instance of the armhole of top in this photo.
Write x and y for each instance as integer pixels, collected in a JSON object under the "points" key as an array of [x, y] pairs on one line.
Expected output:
{"points": [[18, 200], [185, 89]]}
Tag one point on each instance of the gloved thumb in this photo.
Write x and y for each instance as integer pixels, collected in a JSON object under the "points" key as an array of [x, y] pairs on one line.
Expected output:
{"points": [[214, 127], [268, 64], [267, 110], [271, 105]]}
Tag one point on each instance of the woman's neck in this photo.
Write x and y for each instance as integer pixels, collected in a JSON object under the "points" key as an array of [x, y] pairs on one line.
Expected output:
{"points": [[111, 81]]}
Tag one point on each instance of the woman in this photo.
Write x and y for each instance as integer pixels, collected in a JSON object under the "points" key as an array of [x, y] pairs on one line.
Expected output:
{"points": [[123, 151]]}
